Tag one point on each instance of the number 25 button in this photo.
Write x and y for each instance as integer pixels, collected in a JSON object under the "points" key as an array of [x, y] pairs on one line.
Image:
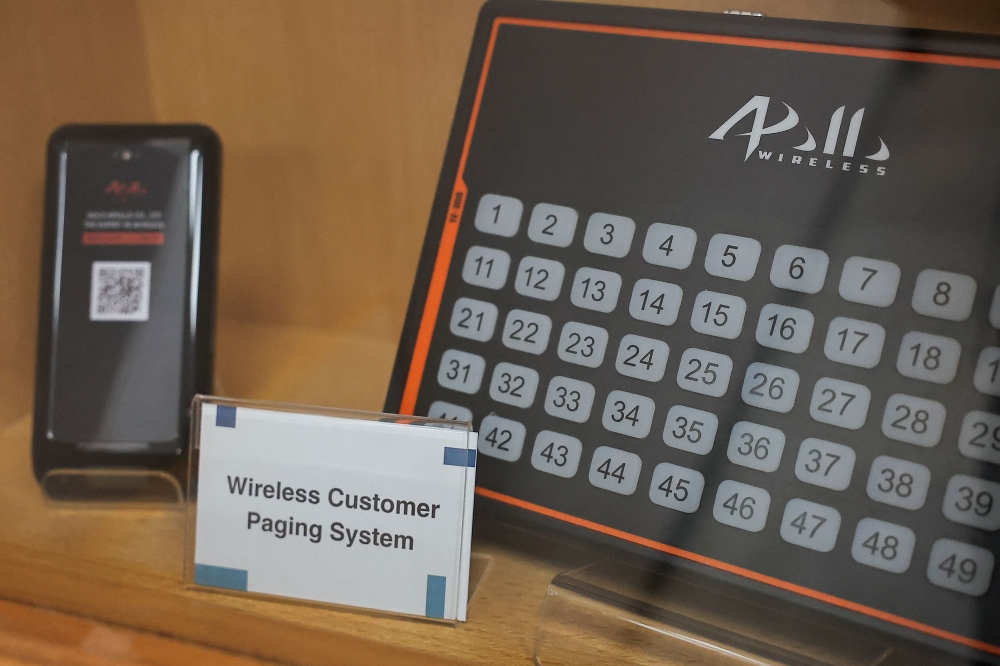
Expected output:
{"points": [[704, 372], [741, 505], [799, 269], [732, 257], [770, 387]]}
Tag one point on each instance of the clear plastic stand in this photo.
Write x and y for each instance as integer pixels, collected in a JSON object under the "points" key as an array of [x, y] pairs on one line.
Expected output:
{"points": [[113, 486], [610, 612]]}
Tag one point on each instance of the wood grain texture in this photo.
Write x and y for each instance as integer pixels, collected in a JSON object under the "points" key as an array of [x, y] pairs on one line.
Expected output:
{"points": [[334, 115]]}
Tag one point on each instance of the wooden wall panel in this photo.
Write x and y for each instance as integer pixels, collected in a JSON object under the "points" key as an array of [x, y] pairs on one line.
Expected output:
{"points": [[334, 117]]}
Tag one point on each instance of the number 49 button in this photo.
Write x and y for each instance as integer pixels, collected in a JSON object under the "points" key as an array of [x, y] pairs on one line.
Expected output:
{"points": [[741, 505]]}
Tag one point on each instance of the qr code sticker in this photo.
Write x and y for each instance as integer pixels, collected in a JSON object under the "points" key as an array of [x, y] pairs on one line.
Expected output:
{"points": [[119, 291]]}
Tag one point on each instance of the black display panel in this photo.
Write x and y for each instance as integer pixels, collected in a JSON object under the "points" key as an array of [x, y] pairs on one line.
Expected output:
{"points": [[726, 289], [128, 287]]}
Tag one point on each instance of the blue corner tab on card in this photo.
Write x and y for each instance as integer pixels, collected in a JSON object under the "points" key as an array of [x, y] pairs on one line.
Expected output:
{"points": [[232, 579], [459, 457], [225, 416], [435, 595]]}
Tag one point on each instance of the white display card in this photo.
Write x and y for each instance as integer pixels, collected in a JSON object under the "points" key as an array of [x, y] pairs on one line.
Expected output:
{"points": [[351, 508]]}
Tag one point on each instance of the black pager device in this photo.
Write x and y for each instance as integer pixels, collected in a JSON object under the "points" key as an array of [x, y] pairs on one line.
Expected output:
{"points": [[724, 292], [126, 308]]}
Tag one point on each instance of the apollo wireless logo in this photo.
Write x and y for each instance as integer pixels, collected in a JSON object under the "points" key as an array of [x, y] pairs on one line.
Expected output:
{"points": [[757, 107]]}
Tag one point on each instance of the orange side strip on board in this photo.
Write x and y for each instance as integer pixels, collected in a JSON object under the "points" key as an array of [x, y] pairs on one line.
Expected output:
{"points": [[739, 571], [447, 244], [445, 249]]}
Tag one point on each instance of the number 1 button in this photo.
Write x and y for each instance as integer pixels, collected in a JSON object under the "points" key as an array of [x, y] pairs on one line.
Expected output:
{"points": [[869, 281], [499, 215], [732, 257]]}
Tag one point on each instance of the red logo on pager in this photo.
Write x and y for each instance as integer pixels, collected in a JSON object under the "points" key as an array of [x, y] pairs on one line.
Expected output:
{"points": [[123, 189]]}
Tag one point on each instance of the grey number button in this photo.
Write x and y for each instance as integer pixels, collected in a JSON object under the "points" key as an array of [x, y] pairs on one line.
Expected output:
{"points": [[840, 403], [961, 567], [473, 319], [569, 399], [705, 372], [690, 429], [615, 470], [669, 245], [594, 289], [513, 385], [582, 344], [987, 377], [655, 302], [720, 315], [995, 309], [498, 215], [628, 414], [980, 437], [461, 371], [732, 257], [883, 545], [785, 328], [609, 235], [526, 331], [552, 225], [810, 525], [770, 387], [854, 342], [642, 358], [676, 487], [449, 412], [501, 438], [485, 267], [825, 464], [913, 420], [556, 454], [869, 281], [799, 269], [756, 446], [930, 358], [944, 295], [974, 502], [539, 278], [898, 482], [742, 506]]}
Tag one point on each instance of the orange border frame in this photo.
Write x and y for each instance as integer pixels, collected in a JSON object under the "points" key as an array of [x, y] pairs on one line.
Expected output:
{"points": [[446, 248]]}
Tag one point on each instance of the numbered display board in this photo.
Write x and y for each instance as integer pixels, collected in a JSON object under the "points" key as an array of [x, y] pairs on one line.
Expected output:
{"points": [[726, 289]]}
